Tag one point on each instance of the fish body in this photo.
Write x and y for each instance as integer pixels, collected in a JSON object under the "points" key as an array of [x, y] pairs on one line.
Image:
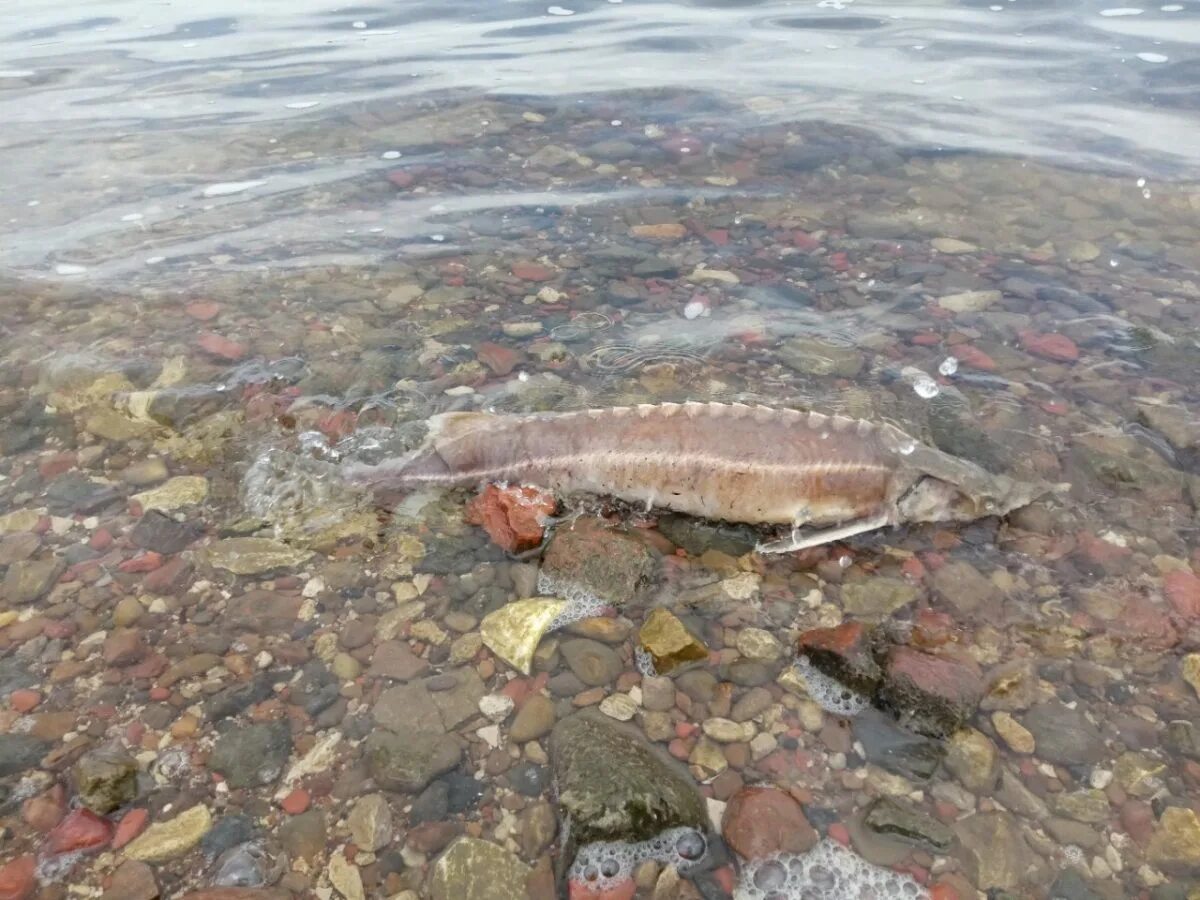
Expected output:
{"points": [[738, 463]]}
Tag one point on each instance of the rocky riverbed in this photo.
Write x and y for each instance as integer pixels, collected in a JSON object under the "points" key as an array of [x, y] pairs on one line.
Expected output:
{"points": [[226, 674]]}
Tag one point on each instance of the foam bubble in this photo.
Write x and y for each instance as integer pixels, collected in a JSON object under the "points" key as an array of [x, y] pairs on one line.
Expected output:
{"points": [[829, 693], [581, 603], [644, 662], [826, 872], [602, 865]]}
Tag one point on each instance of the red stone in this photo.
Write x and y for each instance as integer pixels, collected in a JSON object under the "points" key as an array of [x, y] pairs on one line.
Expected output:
{"points": [[338, 424], [1110, 558], [401, 178], [839, 262], [123, 647], [581, 890], [203, 310], [805, 241], [159, 693], [17, 881], [82, 829], [24, 700], [1057, 347], [941, 690], [1137, 818], [101, 540], [513, 517], [131, 825], [501, 360], [943, 892], [43, 812], [531, 271], [974, 358], [222, 347], [170, 578], [1182, 589], [840, 833], [144, 562], [296, 802], [52, 466], [760, 821]]}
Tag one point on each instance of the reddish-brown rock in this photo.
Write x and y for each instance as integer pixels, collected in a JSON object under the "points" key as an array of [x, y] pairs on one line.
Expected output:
{"points": [[43, 812], [239, 894], [1182, 589], [844, 653], [203, 310], [500, 359], [222, 347], [124, 647], [1057, 347], [170, 578], [133, 880], [512, 516], [17, 881], [531, 271], [760, 821], [82, 829], [24, 700], [933, 695], [131, 825]]}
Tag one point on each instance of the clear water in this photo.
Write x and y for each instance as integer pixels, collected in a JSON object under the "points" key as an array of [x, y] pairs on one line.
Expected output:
{"points": [[295, 230]]}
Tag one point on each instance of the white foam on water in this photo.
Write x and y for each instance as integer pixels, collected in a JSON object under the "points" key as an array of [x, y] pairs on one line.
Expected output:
{"points": [[829, 693], [602, 865], [560, 11], [1122, 11], [925, 387], [1152, 57], [302, 104], [69, 269], [17, 73], [826, 872]]}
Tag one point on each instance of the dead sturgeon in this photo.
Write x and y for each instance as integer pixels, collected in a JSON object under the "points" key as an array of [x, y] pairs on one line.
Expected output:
{"points": [[752, 464]]}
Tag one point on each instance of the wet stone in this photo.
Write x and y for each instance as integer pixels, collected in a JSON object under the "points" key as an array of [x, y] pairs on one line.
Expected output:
{"points": [[394, 659], [173, 838], [845, 653], [76, 493], [20, 752], [669, 642], [614, 786], [106, 779], [893, 748], [597, 561], [253, 755], [529, 779], [997, 855], [474, 869], [760, 821], [960, 585], [304, 836], [370, 822], [533, 720], [159, 532], [408, 761], [228, 831], [890, 818], [1064, 735], [592, 662], [132, 880], [30, 580]]}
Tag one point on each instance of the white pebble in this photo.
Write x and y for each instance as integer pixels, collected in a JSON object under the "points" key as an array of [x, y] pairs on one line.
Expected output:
{"points": [[391, 154], [949, 366]]}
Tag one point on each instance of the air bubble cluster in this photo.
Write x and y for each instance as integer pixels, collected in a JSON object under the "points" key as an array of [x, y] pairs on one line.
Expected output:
{"points": [[581, 604], [603, 865], [644, 662], [828, 871], [829, 693]]}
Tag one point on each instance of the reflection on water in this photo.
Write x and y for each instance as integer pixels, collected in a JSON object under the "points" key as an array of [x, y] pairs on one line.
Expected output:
{"points": [[244, 245]]}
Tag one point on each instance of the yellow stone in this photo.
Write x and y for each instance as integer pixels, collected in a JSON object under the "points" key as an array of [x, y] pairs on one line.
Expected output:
{"points": [[173, 838], [19, 520], [707, 759], [7, 617], [345, 877], [669, 642], [253, 555], [1191, 671], [98, 391], [1138, 774], [1014, 733], [514, 631], [115, 426], [184, 490], [1175, 845], [429, 631], [668, 232]]}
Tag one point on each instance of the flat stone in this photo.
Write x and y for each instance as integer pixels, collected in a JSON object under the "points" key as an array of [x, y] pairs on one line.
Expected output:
{"points": [[514, 631], [394, 659], [133, 880], [973, 759], [891, 818], [175, 493], [252, 755], [619, 706], [345, 878], [759, 644], [474, 869], [877, 598], [1064, 735], [169, 840], [159, 532], [592, 663], [1016, 735], [963, 587], [30, 580], [893, 748], [253, 555], [813, 356], [761, 821], [21, 752], [658, 693], [409, 762], [997, 856], [669, 642], [615, 786], [969, 301], [370, 822], [304, 836], [845, 653]]}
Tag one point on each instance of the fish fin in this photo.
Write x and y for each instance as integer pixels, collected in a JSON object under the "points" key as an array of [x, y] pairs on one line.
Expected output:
{"points": [[799, 541]]}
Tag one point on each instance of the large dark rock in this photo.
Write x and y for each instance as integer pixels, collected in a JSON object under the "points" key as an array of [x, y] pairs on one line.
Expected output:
{"points": [[891, 747], [408, 763], [1064, 735], [932, 695], [614, 786], [20, 752], [159, 532], [252, 755], [594, 559]]}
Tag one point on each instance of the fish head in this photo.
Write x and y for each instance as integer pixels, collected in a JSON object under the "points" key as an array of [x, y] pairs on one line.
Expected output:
{"points": [[944, 488]]}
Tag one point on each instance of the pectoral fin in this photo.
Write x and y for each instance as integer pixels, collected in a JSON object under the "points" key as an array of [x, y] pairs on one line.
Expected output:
{"points": [[799, 541]]}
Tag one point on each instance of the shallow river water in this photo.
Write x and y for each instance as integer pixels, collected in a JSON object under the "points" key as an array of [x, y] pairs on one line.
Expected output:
{"points": [[245, 246]]}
